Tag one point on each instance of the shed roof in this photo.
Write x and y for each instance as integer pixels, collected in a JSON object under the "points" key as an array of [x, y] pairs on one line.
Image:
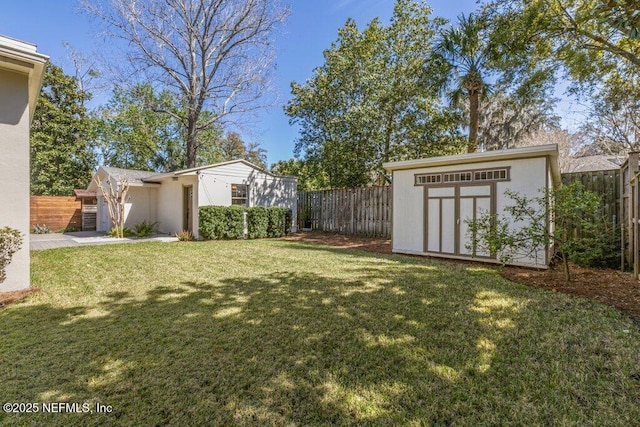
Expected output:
{"points": [[550, 150], [161, 176], [134, 177]]}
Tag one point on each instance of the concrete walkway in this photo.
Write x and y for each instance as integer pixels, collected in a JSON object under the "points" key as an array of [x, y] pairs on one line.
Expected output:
{"points": [[39, 242]]}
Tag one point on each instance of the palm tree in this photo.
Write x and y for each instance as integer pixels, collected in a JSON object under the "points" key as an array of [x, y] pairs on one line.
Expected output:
{"points": [[466, 50]]}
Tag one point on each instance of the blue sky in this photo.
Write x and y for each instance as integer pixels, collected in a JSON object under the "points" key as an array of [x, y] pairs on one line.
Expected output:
{"points": [[311, 28]]}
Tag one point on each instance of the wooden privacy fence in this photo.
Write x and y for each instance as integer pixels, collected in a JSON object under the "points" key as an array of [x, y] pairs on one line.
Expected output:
{"points": [[362, 211], [56, 212], [606, 183], [366, 211]]}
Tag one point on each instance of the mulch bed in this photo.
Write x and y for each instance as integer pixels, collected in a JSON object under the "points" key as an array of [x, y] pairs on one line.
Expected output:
{"points": [[612, 287], [7, 298]]}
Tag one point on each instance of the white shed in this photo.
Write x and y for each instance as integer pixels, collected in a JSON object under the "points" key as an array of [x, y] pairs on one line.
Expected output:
{"points": [[172, 199], [434, 197]]}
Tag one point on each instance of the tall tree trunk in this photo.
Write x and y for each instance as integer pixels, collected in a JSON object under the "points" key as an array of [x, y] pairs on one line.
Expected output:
{"points": [[191, 144], [474, 107]]}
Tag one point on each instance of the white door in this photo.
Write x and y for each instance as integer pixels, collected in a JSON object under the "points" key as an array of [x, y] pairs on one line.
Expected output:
{"points": [[441, 220], [474, 202], [448, 210], [103, 215]]}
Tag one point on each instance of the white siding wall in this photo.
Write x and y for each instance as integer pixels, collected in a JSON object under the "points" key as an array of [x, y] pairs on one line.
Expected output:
{"points": [[170, 210], [527, 177], [141, 206], [14, 171], [264, 190]]}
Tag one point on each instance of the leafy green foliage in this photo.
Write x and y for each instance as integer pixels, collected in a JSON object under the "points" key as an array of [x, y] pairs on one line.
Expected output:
{"points": [[10, 243], [40, 229], [232, 147], [375, 99], [129, 131], [61, 157], [257, 222], [145, 228], [279, 221], [310, 175], [578, 232], [221, 222]]}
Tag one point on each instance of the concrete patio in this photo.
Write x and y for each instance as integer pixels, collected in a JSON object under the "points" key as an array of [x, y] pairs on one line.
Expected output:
{"points": [[39, 242]]}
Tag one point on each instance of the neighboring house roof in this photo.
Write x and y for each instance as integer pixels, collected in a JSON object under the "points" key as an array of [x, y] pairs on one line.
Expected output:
{"points": [[591, 163], [134, 177]]}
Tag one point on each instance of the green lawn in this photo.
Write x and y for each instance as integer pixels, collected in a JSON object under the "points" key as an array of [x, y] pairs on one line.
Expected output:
{"points": [[283, 333]]}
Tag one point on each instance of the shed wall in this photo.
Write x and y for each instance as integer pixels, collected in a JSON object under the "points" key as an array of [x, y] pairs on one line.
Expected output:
{"points": [[527, 177]]}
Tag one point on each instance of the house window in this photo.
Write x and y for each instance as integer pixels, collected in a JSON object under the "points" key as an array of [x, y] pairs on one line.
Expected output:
{"points": [[239, 194]]}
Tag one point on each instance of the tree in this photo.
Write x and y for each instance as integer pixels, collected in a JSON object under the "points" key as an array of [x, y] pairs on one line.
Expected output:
{"points": [[613, 127], [213, 55], [232, 147], [506, 119], [129, 132], [115, 195], [309, 176], [467, 52], [374, 100], [573, 211], [583, 35], [61, 158]]}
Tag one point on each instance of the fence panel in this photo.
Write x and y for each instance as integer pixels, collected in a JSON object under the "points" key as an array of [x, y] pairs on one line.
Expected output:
{"points": [[56, 212], [362, 211], [605, 183]]}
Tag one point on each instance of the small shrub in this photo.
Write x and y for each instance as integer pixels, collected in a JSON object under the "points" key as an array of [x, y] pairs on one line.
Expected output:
{"points": [[10, 243], [69, 229], [145, 228], [258, 222], [184, 236], [41, 229], [120, 232]]}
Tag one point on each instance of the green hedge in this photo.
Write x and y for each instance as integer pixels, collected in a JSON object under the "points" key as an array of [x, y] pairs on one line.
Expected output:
{"points": [[221, 222], [258, 222], [227, 222]]}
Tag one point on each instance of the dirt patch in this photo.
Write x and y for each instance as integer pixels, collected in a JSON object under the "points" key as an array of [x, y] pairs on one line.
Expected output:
{"points": [[382, 246], [612, 287], [7, 298]]}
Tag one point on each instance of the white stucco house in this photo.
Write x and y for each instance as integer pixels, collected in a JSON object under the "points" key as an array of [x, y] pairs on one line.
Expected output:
{"points": [[21, 72], [172, 199], [434, 197]]}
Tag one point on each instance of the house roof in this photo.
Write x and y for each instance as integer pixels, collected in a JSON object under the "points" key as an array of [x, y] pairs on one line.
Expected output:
{"points": [[159, 177], [592, 163], [550, 150], [134, 177]]}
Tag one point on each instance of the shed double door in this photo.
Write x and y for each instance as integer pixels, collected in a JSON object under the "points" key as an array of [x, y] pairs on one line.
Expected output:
{"points": [[447, 210]]}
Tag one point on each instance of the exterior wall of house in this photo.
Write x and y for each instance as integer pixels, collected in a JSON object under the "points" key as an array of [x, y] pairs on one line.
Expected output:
{"points": [[170, 205], [141, 206], [14, 171], [214, 187], [527, 177]]}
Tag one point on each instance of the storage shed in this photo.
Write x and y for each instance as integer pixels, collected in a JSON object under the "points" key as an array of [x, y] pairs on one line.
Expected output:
{"points": [[434, 197]]}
